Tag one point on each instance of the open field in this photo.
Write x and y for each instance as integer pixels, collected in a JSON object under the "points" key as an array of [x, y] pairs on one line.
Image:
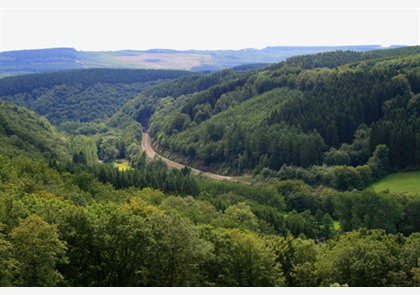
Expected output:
{"points": [[122, 165], [399, 182]]}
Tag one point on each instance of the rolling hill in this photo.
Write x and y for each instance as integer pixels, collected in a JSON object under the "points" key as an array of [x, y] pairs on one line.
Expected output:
{"points": [[55, 59]]}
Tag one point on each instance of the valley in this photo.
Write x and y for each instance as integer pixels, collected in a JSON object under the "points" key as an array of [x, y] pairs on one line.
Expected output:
{"points": [[298, 173]]}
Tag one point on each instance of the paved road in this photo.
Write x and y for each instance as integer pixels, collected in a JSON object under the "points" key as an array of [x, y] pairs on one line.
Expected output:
{"points": [[147, 147]]}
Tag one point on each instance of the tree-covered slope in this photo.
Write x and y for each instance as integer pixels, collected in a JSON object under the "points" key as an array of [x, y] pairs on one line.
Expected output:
{"points": [[342, 57], [23, 132], [289, 115], [144, 105], [80, 95]]}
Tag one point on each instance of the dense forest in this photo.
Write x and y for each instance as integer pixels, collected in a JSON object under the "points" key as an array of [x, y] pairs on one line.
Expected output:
{"points": [[287, 116], [309, 140], [80, 95]]}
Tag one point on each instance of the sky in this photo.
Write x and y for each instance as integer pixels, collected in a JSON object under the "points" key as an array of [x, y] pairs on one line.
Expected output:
{"points": [[118, 25]]}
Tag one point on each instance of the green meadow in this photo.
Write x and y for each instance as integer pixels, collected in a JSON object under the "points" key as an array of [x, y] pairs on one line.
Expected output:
{"points": [[122, 165], [399, 183]]}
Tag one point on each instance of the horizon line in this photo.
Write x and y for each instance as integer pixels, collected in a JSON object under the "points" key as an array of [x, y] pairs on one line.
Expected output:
{"points": [[220, 49]]}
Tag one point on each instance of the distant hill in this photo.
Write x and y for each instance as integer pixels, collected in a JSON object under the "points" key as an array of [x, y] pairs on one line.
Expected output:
{"points": [[54, 59]]}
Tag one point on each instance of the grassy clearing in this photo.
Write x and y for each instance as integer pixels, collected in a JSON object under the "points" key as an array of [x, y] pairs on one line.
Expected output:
{"points": [[122, 165], [403, 182], [336, 224]]}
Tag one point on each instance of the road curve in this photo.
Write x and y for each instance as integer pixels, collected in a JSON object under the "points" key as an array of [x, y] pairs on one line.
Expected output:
{"points": [[147, 148]]}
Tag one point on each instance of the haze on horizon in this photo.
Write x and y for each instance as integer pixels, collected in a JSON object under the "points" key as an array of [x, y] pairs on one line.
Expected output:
{"points": [[204, 29]]}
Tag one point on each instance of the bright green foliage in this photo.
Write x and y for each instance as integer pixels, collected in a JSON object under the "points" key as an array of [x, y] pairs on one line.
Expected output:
{"points": [[410, 260], [101, 236], [403, 182], [241, 259], [240, 216], [360, 258], [195, 210], [253, 262], [305, 256], [38, 250], [8, 265]]}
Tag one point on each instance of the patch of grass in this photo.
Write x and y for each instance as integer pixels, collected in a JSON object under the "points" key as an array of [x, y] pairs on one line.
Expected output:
{"points": [[336, 224], [123, 165], [402, 182]]}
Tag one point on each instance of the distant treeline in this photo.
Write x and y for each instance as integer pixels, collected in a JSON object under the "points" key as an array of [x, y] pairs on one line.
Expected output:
{"points": [[80, 95], [339, 57], [27, 83]]}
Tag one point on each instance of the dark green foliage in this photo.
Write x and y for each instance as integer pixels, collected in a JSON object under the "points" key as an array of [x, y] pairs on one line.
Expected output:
{"points": [[80, 95], [86, 77], [399, 130], [176, 252], [264, 195], [368, 210], [288, 114], [338, 58], [411, 218], [154, 174]]}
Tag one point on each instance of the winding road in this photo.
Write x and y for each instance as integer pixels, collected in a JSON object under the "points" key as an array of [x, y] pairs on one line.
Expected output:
{"points": [[147, 147]]}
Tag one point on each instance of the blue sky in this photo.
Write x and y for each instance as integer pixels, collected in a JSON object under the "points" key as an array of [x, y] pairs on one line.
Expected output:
{"points": [[212, 25]]}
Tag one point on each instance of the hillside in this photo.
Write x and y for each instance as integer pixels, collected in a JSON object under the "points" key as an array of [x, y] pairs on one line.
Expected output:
{"points": [[55, 59], [23, 132], [78, 225], [290, 115], [80, 95]]}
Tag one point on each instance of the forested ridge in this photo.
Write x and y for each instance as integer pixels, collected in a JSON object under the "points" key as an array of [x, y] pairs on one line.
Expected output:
{"points": [[80, 95], [70, 217], [289, 116]]}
